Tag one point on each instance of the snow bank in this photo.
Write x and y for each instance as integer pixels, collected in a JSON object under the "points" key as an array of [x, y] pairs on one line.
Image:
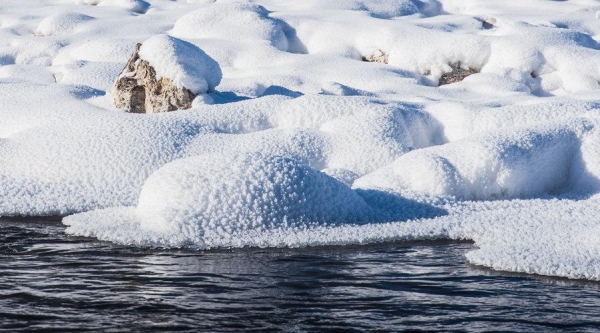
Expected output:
{"points": [[182, 62], [462, 120], [105, 159], [84, 156]]}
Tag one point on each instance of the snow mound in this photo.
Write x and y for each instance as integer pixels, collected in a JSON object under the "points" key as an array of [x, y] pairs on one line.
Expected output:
{"points": [[61, 23], [244, 191], [564, 59], [107, 156], [522, 163], [137, 6], [184, 63], [232, 22], [377, 8], [100, 162], [462, 120], [372, 138], [198, 198], [98, 50]]}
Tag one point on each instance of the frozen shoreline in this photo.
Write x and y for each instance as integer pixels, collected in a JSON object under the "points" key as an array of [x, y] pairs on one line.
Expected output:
{"points": [[322, 124]]}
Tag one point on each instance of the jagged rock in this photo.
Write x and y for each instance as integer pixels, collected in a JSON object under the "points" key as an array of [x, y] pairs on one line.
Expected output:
{"points": [[138, 90], [378, 56], [457, 74]]}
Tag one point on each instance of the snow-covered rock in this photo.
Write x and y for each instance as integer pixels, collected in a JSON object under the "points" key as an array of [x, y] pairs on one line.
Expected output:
{"points": [[164, 74]]}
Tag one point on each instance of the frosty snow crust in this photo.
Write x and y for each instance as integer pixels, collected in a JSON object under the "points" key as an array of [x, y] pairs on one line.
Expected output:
{"points": [[305, 144]]}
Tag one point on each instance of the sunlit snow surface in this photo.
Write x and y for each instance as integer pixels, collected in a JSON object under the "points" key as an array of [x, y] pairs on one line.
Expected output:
{"points": [[298, 142]]}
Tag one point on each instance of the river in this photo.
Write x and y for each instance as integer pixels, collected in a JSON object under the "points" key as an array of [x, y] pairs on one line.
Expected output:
{"points": [[51, 282]]}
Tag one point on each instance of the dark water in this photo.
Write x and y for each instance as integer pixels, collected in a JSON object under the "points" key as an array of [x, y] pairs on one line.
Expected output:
{"points": [[54, 283]]}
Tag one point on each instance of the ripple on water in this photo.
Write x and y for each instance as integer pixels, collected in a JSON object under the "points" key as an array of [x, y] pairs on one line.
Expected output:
{"points": [[51, 281]]}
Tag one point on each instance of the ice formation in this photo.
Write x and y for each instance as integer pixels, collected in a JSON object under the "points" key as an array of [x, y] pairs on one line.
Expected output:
{"points": [[296, 141]]}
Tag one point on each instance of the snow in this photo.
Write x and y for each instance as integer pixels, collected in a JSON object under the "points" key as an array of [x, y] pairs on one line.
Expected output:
{"points": [[295, 141], [215, 195], [236, 22], [184, 63], [138, 6], [244, 191], [61, 23], [498, 165]]}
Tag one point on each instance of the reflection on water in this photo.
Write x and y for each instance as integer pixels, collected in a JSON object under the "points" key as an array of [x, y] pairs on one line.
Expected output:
{"points": [[51, 282]]}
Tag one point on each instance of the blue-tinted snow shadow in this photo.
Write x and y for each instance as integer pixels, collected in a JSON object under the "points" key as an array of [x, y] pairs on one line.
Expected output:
{"points": [[413, 7], [85, 92], [295, 45], [279, 90], [226, 97], [141, 7], [344, 90], [392, 207], [7, 60]]}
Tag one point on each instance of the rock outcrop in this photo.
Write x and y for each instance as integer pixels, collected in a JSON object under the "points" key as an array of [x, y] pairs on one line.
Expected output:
{"points": [[138, 90]]}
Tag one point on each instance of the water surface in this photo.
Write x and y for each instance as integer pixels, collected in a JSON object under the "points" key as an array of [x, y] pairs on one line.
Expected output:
{"points": [[52, 282]]}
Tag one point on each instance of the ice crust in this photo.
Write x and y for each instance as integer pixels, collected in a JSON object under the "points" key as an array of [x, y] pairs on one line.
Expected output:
{"points": [[295, 141]]}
